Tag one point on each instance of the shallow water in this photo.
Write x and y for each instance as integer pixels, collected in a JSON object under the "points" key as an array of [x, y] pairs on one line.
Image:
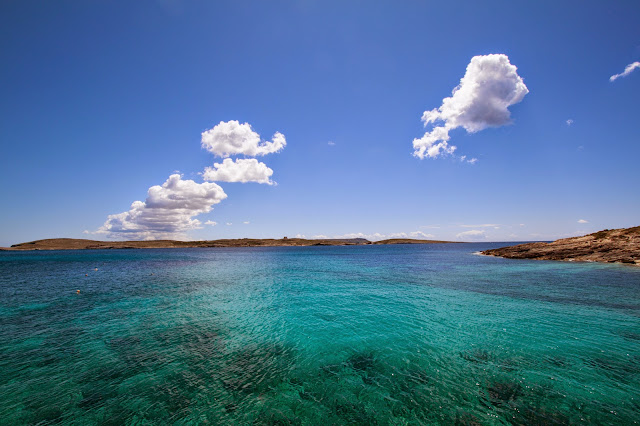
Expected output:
{"points": [[335, 335]]}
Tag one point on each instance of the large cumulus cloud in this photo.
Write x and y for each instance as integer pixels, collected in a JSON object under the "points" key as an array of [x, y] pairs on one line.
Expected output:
{"points": [[489, 87], [167, 212], [232, 138]]}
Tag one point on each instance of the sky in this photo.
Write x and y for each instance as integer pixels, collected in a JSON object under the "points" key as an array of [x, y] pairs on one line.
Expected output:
{"points": [[464, 121]]}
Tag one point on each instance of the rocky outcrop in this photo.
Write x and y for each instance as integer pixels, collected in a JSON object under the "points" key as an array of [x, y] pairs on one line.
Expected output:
{"points": [[610, 245]]}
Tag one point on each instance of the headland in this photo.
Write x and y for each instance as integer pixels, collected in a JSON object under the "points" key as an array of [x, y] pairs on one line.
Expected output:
{"points": [[610, 245]]}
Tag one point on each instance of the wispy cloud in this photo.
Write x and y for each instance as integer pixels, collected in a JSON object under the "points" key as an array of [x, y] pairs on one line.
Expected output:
{"points": [[583, 221], [481, 100], [627, 70], [246, 222], [470, 160], [331, 143], [474, 234], [483, 225], [211, 223], [376, 236], [569, 122]]}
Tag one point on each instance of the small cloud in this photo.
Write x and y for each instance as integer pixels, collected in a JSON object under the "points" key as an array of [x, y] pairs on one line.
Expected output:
{"points": [[484, 225], [628, 70], [231, 138], [241, 170], [474, 234], [420, 234], [583, 221], [229, 224], [331, 143], [319, 237], [211, 223], [86, 232], [246, 222], [521, 225], [569, 122], [470, 161], [378, 236]]}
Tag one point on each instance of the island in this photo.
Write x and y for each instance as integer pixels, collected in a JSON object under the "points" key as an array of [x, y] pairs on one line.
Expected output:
{"points": [[81, 244], [610, 245]]}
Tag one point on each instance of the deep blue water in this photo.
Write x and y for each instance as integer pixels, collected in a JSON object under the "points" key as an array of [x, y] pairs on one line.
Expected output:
{"points": [[407, 334]]}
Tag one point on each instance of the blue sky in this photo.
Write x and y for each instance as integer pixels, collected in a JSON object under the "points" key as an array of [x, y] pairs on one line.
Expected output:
{"points": [[103, 100]]}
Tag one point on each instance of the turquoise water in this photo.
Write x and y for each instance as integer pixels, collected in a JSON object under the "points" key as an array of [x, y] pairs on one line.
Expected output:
{"points": [[318, 335]]}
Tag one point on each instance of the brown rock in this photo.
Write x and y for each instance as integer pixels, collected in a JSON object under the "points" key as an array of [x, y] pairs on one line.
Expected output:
{"points": [[610, 245]]}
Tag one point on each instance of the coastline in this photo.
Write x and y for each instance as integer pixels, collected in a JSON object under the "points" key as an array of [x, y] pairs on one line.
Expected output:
{"points": [[81, 244], [606, 246]]}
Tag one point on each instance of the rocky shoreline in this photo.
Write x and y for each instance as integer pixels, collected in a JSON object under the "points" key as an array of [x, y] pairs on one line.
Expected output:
{"points": [[610, 245]]}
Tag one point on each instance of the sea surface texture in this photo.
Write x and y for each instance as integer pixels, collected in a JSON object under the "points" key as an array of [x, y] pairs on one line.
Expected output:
{"points": [[407, 334]]}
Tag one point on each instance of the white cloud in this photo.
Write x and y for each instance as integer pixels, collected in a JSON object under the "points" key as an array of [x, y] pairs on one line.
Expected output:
{"points": [[483, 225], [378, 236], [229, 223], [420, 234], [331, 143], [470, 161], [569, 122], [246, 222], [86, 232], [232, 138], [167, 212], [240, 170], [489, 87], [211, 223], [315, 237], [474, 234], [627, 70], [583, 221]]}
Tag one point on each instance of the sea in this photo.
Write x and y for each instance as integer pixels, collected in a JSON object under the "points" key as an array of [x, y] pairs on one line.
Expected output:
{"points": [[372, 334]]}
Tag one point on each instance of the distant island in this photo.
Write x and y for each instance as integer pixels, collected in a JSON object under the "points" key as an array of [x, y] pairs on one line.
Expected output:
{"points": [[610, 245], [80, 244]]}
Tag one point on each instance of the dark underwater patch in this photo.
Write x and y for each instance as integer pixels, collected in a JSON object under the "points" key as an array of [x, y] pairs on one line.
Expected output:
{"points": [[257, 368], [477, 356]]}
